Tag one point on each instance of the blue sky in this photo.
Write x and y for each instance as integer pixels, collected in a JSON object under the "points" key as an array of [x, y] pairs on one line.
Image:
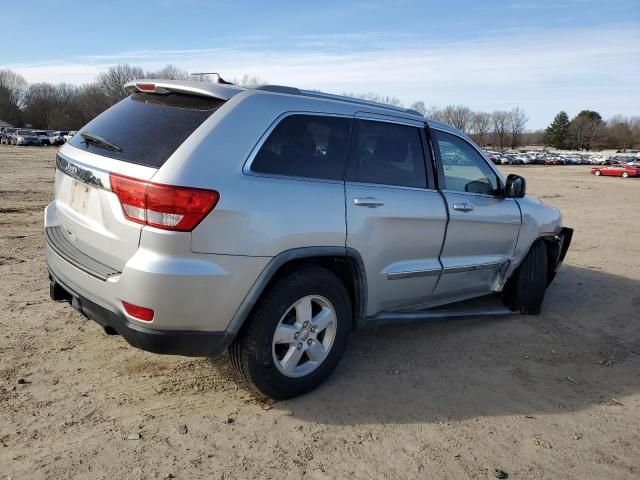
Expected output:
{"points": [[540, 55]]}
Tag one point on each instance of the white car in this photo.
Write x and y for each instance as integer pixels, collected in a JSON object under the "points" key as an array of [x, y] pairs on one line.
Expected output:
{"points": [[69, 135], [59, 137]]}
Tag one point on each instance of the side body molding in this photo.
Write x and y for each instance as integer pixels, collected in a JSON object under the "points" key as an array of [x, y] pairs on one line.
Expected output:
{"points": [[296, 254]]}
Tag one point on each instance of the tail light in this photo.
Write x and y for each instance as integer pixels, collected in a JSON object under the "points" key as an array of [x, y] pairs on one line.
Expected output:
{"points": [[163, 206]]}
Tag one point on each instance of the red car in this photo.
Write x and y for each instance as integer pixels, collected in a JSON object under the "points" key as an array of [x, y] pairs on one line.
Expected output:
{"points": [[617, 171]]}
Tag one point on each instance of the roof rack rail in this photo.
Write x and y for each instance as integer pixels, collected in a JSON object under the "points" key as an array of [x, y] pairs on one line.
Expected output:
{"points": [[414, 112], [279, 89], [331, 96]]}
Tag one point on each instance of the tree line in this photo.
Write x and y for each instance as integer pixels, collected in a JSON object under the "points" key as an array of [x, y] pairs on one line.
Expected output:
{"points": [[588, 131], [506, 129], [66, 106], [501, 128]]}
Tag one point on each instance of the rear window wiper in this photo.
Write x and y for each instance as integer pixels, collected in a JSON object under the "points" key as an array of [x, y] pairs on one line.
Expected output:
{"points": [[98, 141]]}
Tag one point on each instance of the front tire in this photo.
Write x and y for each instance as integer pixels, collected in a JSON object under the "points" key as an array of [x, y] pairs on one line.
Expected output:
{"points": [[625, 174], [296, 334], [597, 173], [524, 291]]}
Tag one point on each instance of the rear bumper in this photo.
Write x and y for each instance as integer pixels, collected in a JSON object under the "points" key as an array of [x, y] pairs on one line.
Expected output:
{"points": [[168, 342], [193, 296]]}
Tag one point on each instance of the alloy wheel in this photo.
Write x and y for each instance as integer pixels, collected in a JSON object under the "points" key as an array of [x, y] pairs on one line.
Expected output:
{"points": [[304, 336]]}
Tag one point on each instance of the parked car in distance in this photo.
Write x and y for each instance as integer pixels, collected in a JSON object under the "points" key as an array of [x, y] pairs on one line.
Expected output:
{"points": [[43, 137], [277, 225], [25, 137], [60, 136], [515, 159], [6, 135], [619, 170], [69, 135]]}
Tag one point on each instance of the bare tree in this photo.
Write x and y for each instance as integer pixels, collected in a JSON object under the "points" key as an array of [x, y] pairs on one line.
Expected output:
{"points": [[517, 122], [481, 126], [634, 123], [249, 81], [41, 102], [90, 102], [375, 97], [169, 72], [419, 107], [446, 114], [113, 80], [435, 113], [12, 90], [459, 116], [620, 132], [500, 125]]}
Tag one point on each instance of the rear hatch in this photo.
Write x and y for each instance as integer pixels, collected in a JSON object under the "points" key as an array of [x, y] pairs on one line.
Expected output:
{"points": [[130, 142]]}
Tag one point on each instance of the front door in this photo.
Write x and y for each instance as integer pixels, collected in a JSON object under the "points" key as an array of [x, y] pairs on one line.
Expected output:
{"points": [[483, 225]]}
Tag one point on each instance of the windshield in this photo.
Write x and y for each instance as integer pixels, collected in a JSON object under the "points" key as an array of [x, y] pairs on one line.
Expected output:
{"points": [[24, 132]]}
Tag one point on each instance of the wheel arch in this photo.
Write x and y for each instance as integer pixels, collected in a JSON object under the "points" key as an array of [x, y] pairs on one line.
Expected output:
{"points": [[345, 262], [554, 244]]}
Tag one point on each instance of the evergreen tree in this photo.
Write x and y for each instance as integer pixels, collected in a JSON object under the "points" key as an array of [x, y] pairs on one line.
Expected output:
{"points": [[557, 134]]}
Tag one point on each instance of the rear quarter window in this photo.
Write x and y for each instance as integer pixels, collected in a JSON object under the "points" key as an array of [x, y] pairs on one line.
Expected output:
{"points": [[310, 146], [147, 128]]}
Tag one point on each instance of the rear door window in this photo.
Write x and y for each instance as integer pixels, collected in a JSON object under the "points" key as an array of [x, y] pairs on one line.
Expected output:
{"points": [[147, 128], [388, 154], [310, 146]]}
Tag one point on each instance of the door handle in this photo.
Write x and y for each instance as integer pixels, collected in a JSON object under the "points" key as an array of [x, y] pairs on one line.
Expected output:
{"points": [[369, 202], [462, 207]]}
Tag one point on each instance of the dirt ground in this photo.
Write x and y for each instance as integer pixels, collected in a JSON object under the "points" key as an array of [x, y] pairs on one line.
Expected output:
{"points": [[555, 396]]}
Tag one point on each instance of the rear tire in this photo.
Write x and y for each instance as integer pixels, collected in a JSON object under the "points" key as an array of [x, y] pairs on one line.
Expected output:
{"points": [[625, 174], [524, 291], [282, 369]]}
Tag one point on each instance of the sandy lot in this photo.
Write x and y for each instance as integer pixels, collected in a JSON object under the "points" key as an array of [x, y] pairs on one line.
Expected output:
{"points": [[555, 396]]}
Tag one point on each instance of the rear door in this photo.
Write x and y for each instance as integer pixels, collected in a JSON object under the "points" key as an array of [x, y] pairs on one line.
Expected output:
{"points": [[395, 217], [483, 225], [135, 138]]}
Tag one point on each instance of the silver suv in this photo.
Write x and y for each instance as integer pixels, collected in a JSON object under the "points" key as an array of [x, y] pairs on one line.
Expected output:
{"points": [[191, 218]]}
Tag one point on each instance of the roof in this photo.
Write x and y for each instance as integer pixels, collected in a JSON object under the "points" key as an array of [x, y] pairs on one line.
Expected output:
{"points": [[225, 92]]}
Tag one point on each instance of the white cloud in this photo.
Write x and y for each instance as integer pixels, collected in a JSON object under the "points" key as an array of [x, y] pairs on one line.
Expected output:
{"points": [[542, 72]]}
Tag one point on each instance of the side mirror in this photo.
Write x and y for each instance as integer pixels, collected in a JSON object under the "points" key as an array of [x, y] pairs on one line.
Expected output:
{"points": [[515, 187]]}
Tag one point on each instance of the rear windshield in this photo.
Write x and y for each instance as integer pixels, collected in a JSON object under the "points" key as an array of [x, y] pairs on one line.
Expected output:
{"points": [[146, 128]]}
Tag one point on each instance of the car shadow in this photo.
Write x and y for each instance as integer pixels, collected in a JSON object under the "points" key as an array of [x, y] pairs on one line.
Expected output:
{"points": [[583, 350]]}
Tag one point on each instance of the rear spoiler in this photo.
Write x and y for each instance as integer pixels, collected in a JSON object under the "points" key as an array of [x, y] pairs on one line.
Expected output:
{"points": [[202, 89]]}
